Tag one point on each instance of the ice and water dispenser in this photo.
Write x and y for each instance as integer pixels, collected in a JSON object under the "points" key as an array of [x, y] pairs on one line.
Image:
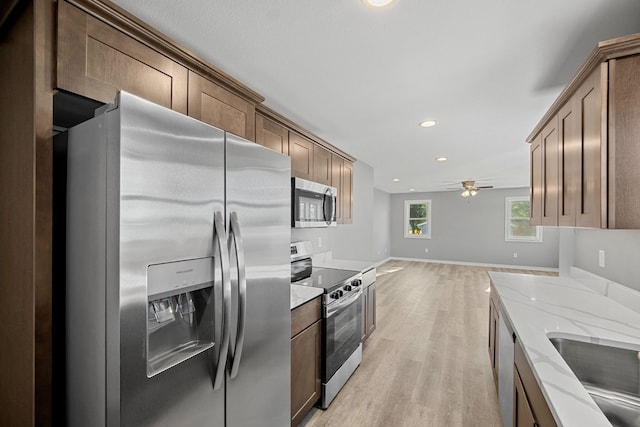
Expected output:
{"points": [[180, 312]]}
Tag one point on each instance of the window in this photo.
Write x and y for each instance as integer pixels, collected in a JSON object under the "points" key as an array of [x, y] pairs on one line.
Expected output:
{"points": [[417, 219], [517, 228]]}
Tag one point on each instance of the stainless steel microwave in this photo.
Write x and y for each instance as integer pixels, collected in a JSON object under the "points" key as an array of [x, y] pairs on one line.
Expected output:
{"points": [[312, 204]]}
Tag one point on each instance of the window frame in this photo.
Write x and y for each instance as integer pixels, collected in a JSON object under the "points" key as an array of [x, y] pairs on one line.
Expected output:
{"points": [[407, 208], [507, 222]]}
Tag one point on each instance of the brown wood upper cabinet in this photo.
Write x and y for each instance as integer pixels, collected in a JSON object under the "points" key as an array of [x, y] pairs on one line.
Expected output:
{"points": [[591, 179], [342, 179], [321, 165], [95, 60], [272, 135], [217, 106], [301, 151]]}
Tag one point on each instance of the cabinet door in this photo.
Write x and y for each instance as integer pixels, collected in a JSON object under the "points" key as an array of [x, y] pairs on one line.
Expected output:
{"points": [[522, 414], [305, 371], [550, 173], [624, 150], [272, 135], [493, 339], [337, 175], [364, 314], [592, 165], [95, 60], [321, 165], [568, 163], [371, 309], [347, 193], [535, 189], [301, 150], [217, 106]]}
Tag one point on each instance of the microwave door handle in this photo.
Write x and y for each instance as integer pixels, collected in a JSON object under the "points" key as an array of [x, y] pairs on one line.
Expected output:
{"points": [[325, 199], [223, 346], [236, 352]]}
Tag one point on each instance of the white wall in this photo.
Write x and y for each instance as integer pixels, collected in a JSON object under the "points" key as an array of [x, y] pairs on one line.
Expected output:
{"points": [[367, 235], [470, 230], [622, 249]]}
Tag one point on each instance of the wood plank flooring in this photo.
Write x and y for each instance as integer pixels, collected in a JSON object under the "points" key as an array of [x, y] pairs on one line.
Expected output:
{"points": [[427, 363]]}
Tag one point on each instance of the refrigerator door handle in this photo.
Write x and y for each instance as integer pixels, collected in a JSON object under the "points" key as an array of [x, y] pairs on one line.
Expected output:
{"points": [[236, 352], [223, 348]]}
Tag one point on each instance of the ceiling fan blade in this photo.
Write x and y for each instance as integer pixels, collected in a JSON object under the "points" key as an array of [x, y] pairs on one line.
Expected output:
{"points": [[485, 186]]}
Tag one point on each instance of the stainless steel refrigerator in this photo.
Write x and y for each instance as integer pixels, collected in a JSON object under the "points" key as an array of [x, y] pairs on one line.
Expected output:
{"points": [[178, 268]]}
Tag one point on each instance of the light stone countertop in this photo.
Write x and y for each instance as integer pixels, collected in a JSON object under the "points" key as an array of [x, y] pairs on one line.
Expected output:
{"points": [[542, 307], [302, 294]]}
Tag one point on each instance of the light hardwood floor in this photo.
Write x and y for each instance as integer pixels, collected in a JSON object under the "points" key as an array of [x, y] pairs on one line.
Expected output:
{"points": [[427, 363]]}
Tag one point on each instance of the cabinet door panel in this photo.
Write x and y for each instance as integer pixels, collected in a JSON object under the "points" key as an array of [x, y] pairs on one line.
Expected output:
{"points": [[301, 150], [337, 175], [371, 309], [217, 106], [305, 371], [536, 190], [624, 150], [550, 173], [522, 415], [347, 193], [592, 144], [321, 165], [568, 163], [95, 60], [364, 315], [272, 135]]}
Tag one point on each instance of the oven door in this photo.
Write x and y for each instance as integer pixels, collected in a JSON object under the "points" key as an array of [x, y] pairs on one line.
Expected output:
{"points": [[343, 331]]}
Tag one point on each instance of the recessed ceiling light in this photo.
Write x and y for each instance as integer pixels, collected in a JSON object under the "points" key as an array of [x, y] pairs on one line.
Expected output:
{"points": [[396, 179], [428, 123], [441, 159], [376, 3], [412, 189]]}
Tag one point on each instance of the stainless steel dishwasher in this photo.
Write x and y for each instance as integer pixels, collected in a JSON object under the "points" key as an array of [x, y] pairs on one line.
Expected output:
{"points": [[506, 340]]}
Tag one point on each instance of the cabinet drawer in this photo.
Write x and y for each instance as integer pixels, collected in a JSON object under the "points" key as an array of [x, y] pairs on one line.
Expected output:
{"points": [[305, 315]]}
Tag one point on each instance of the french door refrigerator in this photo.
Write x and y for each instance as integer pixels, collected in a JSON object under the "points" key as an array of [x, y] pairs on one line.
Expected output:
{"points": [[178, 268]]}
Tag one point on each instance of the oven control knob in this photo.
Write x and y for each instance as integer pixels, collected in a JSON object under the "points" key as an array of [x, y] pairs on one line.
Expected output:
{"points": [[356, 282], [340, 293], [347, 288], [334, 295]]}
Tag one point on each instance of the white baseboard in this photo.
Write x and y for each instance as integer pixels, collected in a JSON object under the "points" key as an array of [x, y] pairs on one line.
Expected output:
{"points": [[379, 263], [475, 264]]}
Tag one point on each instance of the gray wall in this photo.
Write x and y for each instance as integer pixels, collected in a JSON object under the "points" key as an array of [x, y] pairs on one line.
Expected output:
{"points": [[621, 247], [369, 233], [470, 230]]}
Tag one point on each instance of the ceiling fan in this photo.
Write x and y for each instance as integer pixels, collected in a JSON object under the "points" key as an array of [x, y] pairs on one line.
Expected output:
{"points": [[470, 188]]}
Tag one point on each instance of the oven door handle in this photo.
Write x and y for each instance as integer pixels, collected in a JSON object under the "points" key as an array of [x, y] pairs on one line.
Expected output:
{"points": [[334, 308]]}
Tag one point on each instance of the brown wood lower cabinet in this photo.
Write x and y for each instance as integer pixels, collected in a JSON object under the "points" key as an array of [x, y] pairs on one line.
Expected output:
{"points": [[493, 339], [368, 311], [529, 405], [306, 350]]}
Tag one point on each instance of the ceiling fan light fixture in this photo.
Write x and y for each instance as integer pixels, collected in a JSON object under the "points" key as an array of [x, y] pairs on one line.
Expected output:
{"points": [[465, 193], [441, 159], [473, 192], [376, 3]]}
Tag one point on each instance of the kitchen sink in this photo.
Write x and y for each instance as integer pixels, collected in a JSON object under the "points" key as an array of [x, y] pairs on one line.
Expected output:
{"points": [[611, 375]]}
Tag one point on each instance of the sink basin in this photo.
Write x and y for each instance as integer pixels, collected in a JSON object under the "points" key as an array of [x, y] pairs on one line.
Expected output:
{"points": [[611, 375]]}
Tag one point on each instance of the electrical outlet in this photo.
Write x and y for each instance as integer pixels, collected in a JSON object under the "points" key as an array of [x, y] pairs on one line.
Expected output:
{"points": [[601, 258], [426, 250], [319, 242], [515, 254]]}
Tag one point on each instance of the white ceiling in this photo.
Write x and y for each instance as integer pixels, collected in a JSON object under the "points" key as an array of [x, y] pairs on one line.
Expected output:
{"points": [[363, 78]]}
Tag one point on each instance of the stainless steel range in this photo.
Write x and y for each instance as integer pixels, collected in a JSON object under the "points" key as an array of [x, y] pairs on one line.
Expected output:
{"points": [[342, 315]]}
